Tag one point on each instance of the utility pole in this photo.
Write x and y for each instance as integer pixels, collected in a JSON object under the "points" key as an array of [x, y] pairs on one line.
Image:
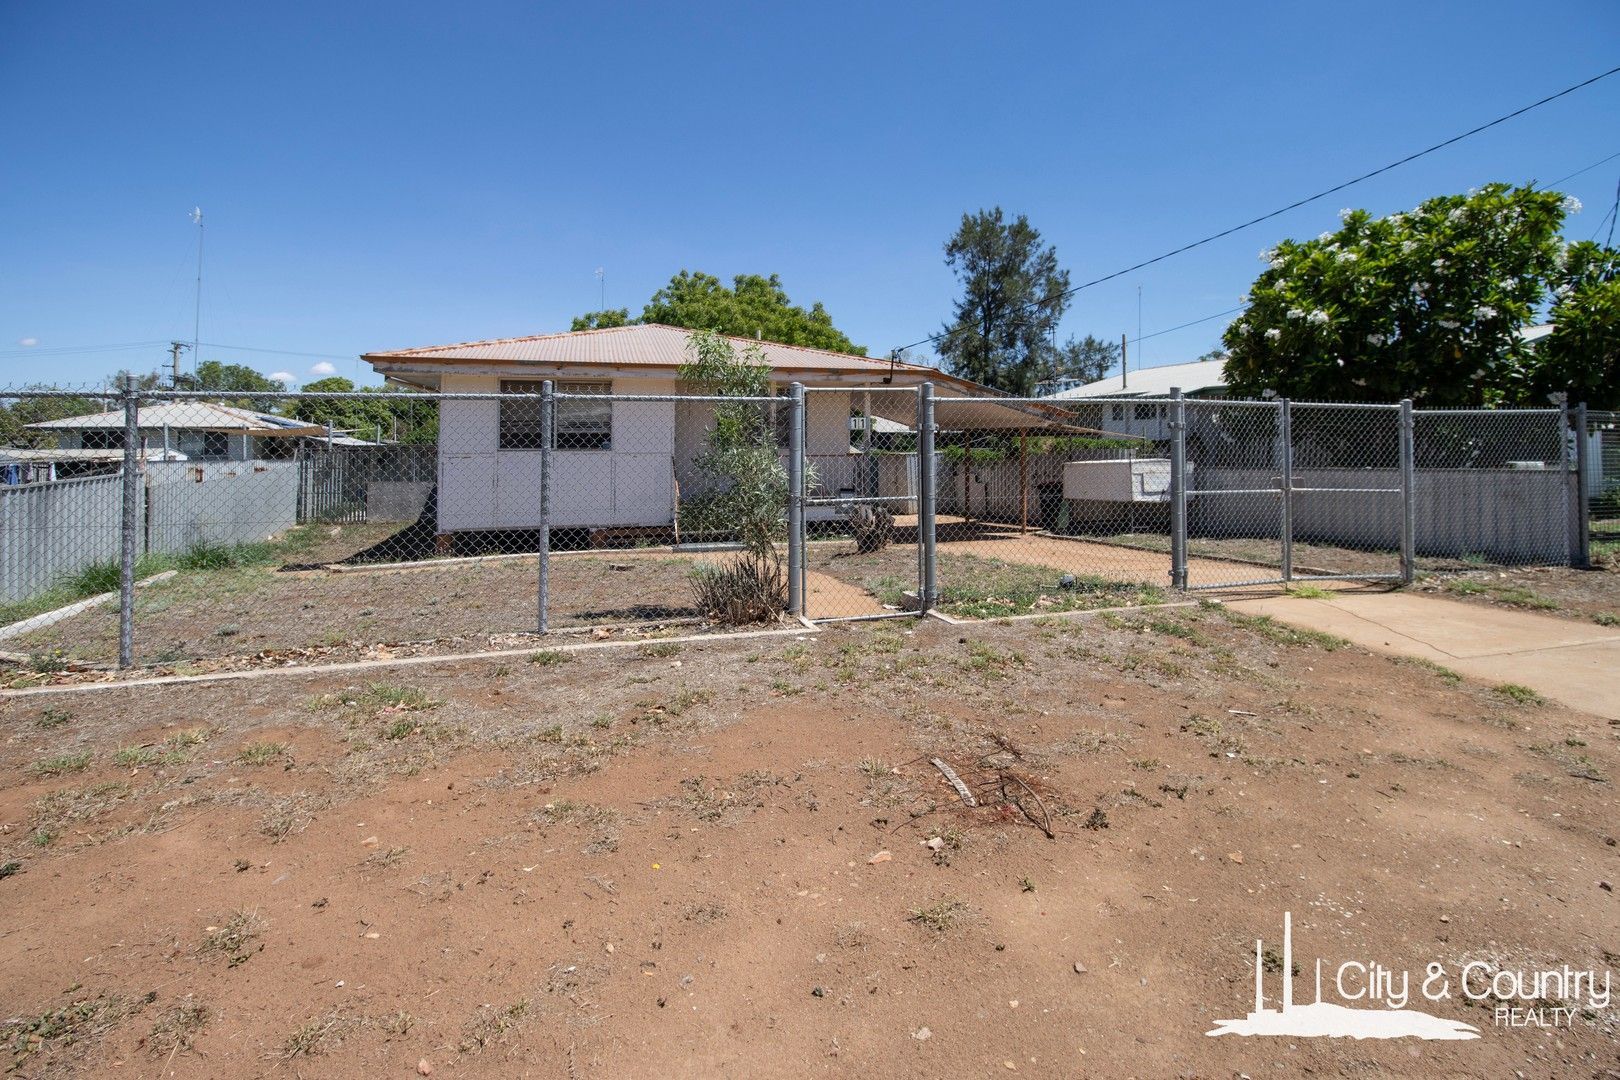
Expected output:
{"points": [[175, 348], [196, 315], [1123, 365]]}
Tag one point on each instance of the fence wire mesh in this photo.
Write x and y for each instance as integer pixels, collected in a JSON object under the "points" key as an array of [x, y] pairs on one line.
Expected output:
{"points": [[280, 528]]}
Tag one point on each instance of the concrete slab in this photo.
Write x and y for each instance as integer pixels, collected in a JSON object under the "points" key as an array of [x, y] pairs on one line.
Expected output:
{"points": [[1567, 661]]}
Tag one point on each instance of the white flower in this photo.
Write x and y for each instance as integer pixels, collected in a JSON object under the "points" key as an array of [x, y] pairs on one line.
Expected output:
{"points": [[1268, 254], [1408, 246], [1376, 339], [1318, 317], [1278, 263], [1421, 288], [1447, 324], [1397, 220], [1243, 329], [1325, 237], [1348, 256], [1273, 334], [1484, 311], [1457, 215], [1340, 362], [1439, 264], [1571, 204], [1244, 299], [1344, 214], [1296, 313]]}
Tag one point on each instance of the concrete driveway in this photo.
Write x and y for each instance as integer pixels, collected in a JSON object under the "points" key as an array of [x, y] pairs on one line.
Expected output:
{"points": [[1577, 664]]}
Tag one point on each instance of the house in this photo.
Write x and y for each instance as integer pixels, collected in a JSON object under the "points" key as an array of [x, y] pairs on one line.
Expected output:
{"points": [[629, 465], [1148, 416], [189, 431]]}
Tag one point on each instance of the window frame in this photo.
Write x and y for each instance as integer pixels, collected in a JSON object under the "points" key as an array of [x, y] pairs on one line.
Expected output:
{"points": [[516, 432]]}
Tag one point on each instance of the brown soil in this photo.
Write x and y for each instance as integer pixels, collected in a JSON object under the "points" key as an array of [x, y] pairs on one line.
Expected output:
{"points": [[660, 862], [1586, 595]]}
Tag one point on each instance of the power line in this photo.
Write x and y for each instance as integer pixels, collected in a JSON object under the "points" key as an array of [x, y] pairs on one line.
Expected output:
{"points": [[942, 335], [1587, 169]]}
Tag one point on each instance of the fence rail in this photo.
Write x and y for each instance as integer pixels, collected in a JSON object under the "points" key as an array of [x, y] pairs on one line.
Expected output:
{"points": [[334, 524]]}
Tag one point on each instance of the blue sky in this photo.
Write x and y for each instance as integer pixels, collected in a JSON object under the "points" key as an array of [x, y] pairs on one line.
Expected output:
{"points": [[410, 174]]}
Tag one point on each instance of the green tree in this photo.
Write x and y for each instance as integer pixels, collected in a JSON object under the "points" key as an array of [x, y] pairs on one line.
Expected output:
{"points": [[753, 306], [1000, 334], [1088, 359], [16, 413], [1426, 304], [1582, 354], [396, 418], [749, 495], [601, 320]]}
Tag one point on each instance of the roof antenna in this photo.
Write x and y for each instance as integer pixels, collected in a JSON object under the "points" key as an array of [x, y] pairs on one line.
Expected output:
{"points": [[601, 279], [196, 315], [894, 355]]}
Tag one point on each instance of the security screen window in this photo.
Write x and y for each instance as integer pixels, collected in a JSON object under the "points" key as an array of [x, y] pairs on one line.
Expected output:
{"points": [[581, 425]]}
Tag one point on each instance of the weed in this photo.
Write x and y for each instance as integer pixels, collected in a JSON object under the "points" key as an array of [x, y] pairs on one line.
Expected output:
{"points": [[875, 768], [317, 1036], [381, 860], [7, 869], [1430, 666], [549, 657], [234, 937], [942, 916], [1309, 592], [655, 650], [41, 838], [1282, 634], [133, 757], [261, 753], [61, 764], [66, 1026], [177, 1027], [1026, 884], [1519, 695], [1097, 820], [53, 718], [490, 1024], [1606, 618]]}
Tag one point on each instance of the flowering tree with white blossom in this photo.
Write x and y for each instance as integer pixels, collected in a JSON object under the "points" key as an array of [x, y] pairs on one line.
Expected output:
{"points": [[1426, 304]]}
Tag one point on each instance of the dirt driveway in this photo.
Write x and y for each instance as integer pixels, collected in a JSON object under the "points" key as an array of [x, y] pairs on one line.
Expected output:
{"points": [[734, 859]]}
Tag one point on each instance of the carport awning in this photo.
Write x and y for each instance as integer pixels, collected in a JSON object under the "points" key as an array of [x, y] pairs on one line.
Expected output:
{"points": [[985, 414]]}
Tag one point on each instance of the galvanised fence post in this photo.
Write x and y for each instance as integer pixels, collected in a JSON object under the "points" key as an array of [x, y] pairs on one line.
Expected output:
{"points": [[928, 586], [548, 435], [1178, 489], [130, 524], [1583, 501], [795, 506], [1408, 494], [1285, 424]]}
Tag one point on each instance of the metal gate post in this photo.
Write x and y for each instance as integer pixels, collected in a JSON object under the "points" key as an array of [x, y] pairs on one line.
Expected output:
{"points": [[1582, 550], [1285, 422], [548, 435], [1178, 490], [130, 523], [1408, 494], [795, 506], [1571, 514], [928, 586]]}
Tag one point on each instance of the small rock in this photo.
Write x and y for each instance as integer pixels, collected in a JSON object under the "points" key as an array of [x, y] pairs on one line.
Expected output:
{"points": [[600, 633], [934, 844], [1235, 856], [922, 1034], [1605, 886], [609, 948], [370, 841], [882, 856], [1445, 918], [1079, 968], [818, 992], [424, 1068]]}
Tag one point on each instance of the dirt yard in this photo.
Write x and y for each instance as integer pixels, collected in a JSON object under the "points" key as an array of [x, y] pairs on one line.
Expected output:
{"points": [[734, 859], [1586, 595]]}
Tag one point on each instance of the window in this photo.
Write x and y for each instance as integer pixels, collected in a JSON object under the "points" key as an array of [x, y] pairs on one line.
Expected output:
{"points": [[581, 425], [1118, 412], [102, 439], [216, 445], [1146, 412]]}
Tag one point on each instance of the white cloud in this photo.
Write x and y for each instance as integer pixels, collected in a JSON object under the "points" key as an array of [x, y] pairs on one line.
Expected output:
{"points": [[282, 376], [28, 342], [323, 368]]}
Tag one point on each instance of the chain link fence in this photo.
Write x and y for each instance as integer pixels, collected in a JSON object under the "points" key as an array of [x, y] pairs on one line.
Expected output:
{"points": [[201, 531]]}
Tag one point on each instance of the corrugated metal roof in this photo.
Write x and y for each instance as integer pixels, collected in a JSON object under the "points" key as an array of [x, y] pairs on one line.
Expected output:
{"points": [[189, 416], [1152, 382], [642, 345]]}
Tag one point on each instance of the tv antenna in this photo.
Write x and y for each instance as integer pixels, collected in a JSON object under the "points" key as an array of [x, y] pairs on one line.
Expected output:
{"points": [[196, 314], [601, 279]]}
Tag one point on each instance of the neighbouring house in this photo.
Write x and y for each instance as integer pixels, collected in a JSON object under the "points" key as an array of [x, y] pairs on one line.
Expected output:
{"points": [[1147, 414], [193, 431], [629, 465]]}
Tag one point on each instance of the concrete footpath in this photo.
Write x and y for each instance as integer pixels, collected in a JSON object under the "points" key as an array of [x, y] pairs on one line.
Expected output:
{"points": [[1571, 662]]}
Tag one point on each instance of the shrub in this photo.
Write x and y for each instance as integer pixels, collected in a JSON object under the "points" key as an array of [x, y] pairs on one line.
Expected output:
{"points": [[873, 527], [751, 588]]}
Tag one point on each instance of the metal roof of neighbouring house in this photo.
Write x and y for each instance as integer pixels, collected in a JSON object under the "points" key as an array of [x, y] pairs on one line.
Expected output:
{"points": [[654, 349], [191, 416], [46, 455], [1200, 376]]}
